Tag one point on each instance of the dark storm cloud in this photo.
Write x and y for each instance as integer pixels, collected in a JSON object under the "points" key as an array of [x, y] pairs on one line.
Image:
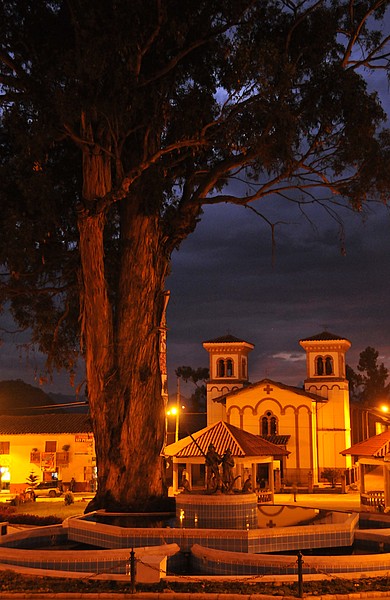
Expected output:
{"points": [[225, 280]]}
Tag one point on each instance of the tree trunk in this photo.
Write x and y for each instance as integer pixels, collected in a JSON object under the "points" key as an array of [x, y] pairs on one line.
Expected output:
{"points": [[121, 336]]}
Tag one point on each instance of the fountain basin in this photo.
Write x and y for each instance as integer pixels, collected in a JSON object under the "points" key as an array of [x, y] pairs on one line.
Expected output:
{"points": [[15, 550], [279, 529], [216, 562], [217, 511]]}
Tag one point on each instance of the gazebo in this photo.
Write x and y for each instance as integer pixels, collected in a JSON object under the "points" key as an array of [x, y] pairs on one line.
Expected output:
{"points": [[248, 451], [373, 457]]}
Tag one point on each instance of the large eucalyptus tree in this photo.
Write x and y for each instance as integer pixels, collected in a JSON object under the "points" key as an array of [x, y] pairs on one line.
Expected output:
{"points": [[119, 120]]}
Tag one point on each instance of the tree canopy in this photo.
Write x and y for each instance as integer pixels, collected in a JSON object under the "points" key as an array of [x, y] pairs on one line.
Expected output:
{"points": [[197, 377], [119, 121], [369, 385]]}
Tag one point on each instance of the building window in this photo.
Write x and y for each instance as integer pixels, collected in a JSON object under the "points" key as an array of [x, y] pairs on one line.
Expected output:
{"points": [[319, 365], [5, 478], [269, 424], [221, 368], [50, 446], [324, 366], [4, 447], [225, 367], [329, 365], [229, 368]]}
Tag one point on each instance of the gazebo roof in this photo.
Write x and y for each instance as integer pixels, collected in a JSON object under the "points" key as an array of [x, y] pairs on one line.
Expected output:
{"points": [[377, 446], [223, 436]]}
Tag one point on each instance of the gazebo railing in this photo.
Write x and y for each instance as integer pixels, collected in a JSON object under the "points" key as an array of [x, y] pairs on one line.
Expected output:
{"points": [[264, 496], [373, 501]]}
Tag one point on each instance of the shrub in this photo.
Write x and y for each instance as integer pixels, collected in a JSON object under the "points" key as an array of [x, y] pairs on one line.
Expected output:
{"points": [[332, 475], [8, 513], [69, 498]]}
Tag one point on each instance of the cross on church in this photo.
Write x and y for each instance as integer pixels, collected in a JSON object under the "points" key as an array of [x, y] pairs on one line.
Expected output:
{"points": [[271, 524], [268, 388]]}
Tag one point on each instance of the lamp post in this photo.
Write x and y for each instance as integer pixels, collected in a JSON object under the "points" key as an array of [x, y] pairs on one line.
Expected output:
{"points": [[177, 410], [174, 411]]}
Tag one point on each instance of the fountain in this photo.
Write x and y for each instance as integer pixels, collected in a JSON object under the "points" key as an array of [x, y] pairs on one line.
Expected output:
{"points": [[218, 531], [173, 541]]}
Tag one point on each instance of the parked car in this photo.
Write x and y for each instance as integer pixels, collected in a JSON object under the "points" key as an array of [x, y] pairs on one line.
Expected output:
{"points": [[52, 489]]}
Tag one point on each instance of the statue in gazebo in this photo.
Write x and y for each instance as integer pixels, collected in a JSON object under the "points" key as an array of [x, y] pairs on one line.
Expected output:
{"points": [[213, 476], [227, 471]]}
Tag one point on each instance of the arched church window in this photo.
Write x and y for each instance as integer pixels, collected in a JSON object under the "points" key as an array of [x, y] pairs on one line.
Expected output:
{"points": [[229, 368], [273, 426], [319, 365], [269, 424], [221, 368], [329, 365]]}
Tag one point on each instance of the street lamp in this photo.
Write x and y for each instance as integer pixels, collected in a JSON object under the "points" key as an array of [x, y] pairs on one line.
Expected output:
{"points": [[174, 412]]}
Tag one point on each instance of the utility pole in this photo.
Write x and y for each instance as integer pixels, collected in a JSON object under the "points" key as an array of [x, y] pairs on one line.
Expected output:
{"points": [[177, 410]]}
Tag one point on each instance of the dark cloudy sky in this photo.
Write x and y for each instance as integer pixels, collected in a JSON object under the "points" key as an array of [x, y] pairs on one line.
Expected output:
{"points": [[225, 280]]}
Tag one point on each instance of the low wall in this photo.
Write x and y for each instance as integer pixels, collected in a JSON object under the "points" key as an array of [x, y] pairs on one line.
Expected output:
{"points": [[219, 562], [21, 549]]}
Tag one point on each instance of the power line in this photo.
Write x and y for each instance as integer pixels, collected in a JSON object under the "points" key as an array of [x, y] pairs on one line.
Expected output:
{"points": [[53, 406]]}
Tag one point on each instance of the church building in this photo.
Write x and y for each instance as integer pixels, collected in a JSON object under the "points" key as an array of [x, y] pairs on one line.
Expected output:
{"points": [[312, 423]]}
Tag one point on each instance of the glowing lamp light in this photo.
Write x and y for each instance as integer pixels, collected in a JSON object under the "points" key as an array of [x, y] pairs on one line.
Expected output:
{"points": [[181, 517], [384, 408]]}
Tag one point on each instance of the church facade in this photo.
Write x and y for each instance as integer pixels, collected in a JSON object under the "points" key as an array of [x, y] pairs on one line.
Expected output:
{"points": [[312, 423]]}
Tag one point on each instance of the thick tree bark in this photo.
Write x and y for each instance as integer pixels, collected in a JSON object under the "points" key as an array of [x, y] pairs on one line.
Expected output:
{"points": [[120, 333]]}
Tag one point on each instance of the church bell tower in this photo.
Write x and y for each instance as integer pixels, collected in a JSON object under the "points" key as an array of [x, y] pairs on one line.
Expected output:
{"points": [[326, 378], [228, 366]]}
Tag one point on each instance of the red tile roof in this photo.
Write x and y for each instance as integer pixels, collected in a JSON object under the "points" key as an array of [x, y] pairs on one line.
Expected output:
{"points": [[323, 337], [223, 436], [63, 423], [270, 382], [227, 339], [377, 446], [280, 440]]}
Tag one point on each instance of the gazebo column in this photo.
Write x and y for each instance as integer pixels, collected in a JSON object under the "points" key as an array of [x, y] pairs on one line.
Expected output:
{"points": [[277, 479], [386, 485], [237, 473], [271, 478], [175, 477], [242, 478], [189, 473], [254, 475], [361, 477]]}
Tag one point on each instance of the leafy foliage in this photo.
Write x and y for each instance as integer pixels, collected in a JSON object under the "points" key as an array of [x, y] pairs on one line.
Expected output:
{"points": [[8, 513], [17, 582], [368, 385], [68, 498], [181, 99], [32, 479], [197, 377], [332, 475]]}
